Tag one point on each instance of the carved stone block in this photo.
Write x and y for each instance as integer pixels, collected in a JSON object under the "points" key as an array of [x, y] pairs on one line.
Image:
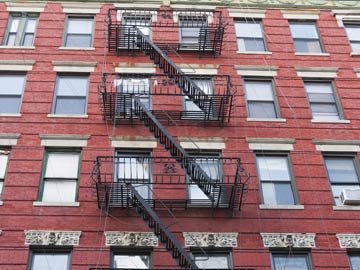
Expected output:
{"points": [[209, 239], [52, 238], [128, 239], [349, 240], [288, 240]]}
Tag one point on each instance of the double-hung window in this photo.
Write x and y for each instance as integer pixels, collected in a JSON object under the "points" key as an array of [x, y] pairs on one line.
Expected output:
{"points": [[21, 30], [191, 28], [45, 260], [4, 158], [213, 260], [249, 36], [60, 176], [275, 178], [127, 89], [134, 260], [260, 98], [130, 22], [306, 37], [354, 261], [70, 94], [323, 101], [293, 261], [11, 91], [79, 32], [343, 173], [353, 33]]}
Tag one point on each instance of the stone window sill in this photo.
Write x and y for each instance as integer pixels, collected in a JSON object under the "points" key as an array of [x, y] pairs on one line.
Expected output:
{"points": [[61, 204], [254, 52], [343, 121], [283, 120], [10, 114], [312, 54], [355, 54], [67, 116], [17, 47], [346, 207], [282, 206], [77, 48]]}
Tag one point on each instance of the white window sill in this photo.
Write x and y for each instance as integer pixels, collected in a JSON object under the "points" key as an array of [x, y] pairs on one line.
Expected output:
{"points": [[282, 206], [254, 52], [1, 203], [266, 120], [355, 54], [63, 204], [343, 121], [77, 48], [67, 116], [312, 54], [17, 47], [346, 207], [10, 114]]}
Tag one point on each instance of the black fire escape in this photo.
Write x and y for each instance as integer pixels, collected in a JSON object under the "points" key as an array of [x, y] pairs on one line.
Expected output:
{"points": [[147, 183]]}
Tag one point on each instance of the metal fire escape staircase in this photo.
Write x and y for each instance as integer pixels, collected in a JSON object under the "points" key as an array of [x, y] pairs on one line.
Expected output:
{"points": [[212, 189]]}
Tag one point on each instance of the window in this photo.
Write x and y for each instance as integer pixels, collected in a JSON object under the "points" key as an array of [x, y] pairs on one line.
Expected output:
{"points": [[190, 30], [306, 37], [70, 94], [138, 260], [142, 22], [260, 99], [135, 167], [11, 91], [79, 32], [275, 179], [4, 157], [58, 260], [249, 36], [353, 33], [190, 108], [343, 174], [129, 87], [323, 102], [60, 177], [354, 261], [213, 260], [293, 261], [211, 165], [21, 30]]}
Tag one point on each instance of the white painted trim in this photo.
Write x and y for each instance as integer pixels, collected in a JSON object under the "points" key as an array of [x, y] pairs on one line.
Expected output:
{"points": [[311, 54], [60, 66], [135, 68], [346, 208], [355, 54], [195, 69], [135, 5], [77, 48], [282, 207], [251, 52], [57, 204], [25, 7], [1, 203], [16, 65], [300, 14], [203, 145], [357, 71], [247, 13], [67, 116], [64, 140], [337, 148], [317, 72], [133, 142], [9, 139], [193, 7], [340, 121], [17, 47], [258, 71], [273, 144], [119, 14], [80, 8], [282, 120], [10, 114], [346, 15]]}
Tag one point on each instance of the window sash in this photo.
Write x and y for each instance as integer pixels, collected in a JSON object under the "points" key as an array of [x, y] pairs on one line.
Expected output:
{"points": [[212, 261], [21, 30], [131, 261], [62, 165], [207, 86], [79, 32], [292, 262], [190, 29], [55, 190], [3, 165], [58, 260], [354, 261]]}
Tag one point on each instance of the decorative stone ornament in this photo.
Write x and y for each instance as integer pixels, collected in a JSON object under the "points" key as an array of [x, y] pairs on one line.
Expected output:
{"points": [[288, 240], [131, 239], [349, 240], [52, 238], [209, 239]]}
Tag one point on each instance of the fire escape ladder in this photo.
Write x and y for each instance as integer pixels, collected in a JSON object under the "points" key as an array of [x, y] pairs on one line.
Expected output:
{"points": [[160, 230], [188, 86]]}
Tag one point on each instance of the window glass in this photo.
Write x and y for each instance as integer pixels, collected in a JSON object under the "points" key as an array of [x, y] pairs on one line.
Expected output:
{"points": [[21, 30], [62, 165], [355, 262], [11, 90], [353, 33], [190, 29], [59, 191], [212, 261], [79, 32], [249, 36], [131, 261], [53, 261], [207, 86], [303, 30], [291, 262], [3, 164], [305, 36]]}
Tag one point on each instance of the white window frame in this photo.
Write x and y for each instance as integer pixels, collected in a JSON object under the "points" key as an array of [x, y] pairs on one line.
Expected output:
{"points": [[21, 31]]}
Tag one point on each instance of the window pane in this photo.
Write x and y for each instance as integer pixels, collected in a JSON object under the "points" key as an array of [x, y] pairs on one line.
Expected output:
{"points": [[277, 193], [197, 194], [248, 29], [303, 30], [12, 84], [11, 40], [14, 25], [325, 111], [212, 262], [59, 191], [80, 26], [30, 26], [353, 32], [1, 187], [259, 91], [341, 170], [261, 110], [318, 88], [70, 105], [62, 165], [10, 104], [50, 261], [290, 262], [72, 86], [136, 168], [132, 261], [355, 47], [255, 45], [74, 40], [3, 164], [273, 168], [355, 262], [133, 86], [327, 98], [306, 46], [28, 39]]}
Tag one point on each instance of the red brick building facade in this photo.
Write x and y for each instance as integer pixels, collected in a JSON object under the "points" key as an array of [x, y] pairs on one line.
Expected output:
{"points": [[225, 133]]}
